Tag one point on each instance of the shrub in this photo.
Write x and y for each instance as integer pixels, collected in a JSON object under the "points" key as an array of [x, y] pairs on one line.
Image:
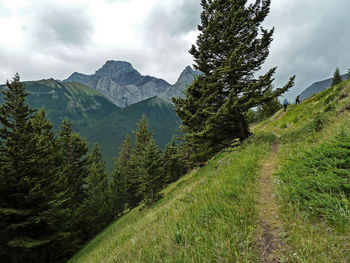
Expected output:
{"points": [[319, 122]]}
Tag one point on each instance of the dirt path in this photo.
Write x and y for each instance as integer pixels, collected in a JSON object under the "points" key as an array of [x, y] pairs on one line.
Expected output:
{"points": [[268, 239]]}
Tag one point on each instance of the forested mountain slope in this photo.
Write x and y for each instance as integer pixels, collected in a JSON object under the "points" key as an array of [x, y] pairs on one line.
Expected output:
{"points": [[97, 118], [211, 214], [111, 131], [80, 104]]}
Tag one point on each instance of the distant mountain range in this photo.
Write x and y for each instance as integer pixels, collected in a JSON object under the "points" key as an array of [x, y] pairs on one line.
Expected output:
{"points": [[124, 85], [105, 106], [318, 87]]}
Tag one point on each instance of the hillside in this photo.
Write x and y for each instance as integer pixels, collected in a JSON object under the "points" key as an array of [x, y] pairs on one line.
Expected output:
{"points": [[110, 132], [318, 87], [81, 104], [98, 119], [255, 203]]}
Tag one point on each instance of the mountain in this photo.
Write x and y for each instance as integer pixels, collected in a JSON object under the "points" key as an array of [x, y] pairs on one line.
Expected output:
{"points": [[110, 132], [97, 118], [79, 103], [177, 90], [121, 83], [318, 87]]}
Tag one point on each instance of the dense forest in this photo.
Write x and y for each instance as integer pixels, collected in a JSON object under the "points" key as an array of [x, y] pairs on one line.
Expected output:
{"points": [[55, 194]]}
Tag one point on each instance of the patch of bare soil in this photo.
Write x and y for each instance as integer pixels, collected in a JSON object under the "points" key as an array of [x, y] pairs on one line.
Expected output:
{"points": [[268, 239]]}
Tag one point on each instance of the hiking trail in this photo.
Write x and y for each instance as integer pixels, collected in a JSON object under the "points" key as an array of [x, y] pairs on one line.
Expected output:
{"points": [[268, 240]]}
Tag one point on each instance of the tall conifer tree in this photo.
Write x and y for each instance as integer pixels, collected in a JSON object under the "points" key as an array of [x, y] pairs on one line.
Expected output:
{"points": [[96, 210], [172, 163], [122, 172], [336, 77], [29, 199], [142, 136], [230, 51], [151, 173], [73, 165], [73, 150]]}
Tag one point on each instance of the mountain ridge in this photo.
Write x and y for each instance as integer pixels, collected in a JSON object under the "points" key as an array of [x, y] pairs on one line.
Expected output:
{"points": [[318, 87], [124, 85]]}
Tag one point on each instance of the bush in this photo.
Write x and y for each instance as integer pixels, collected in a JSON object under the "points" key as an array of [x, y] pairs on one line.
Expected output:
{"points": [[319, 122]]}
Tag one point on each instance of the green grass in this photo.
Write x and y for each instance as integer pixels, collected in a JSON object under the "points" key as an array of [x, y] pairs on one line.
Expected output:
{"points": [[207, 216], [314, 195], [313, 180]]}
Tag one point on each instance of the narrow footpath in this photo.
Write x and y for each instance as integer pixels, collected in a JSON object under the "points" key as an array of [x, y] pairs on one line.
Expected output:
{"points": [[268, 239]]}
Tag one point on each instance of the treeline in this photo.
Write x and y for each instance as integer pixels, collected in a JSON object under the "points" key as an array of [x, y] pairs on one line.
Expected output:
{"points": [[54, 194]]}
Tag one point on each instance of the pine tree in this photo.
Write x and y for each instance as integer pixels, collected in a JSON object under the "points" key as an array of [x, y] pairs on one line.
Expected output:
{"points": [[120, 183], [73, 150], [268, 108], [151, 173], [349, 73], [230, 50], [95, 211], [57, 213], [29, 199], [142, 136], [73, 163], [337, 78], [172, 163]]}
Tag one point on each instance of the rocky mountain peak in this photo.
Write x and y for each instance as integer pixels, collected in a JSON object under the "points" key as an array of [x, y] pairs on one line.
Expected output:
{"points": [[187, 75], [121, 72]]}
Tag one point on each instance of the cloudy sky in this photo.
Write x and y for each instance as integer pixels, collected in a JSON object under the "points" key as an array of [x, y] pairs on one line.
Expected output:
{"points": [[44, 39]]}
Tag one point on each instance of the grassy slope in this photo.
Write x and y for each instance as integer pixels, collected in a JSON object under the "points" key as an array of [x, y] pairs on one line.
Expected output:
{"points": [[210, 214], [310, 235], [207, 216]]}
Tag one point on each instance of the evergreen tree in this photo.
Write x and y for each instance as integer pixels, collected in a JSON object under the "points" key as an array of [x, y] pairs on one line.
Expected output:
{"points": [[230, 50], [29, 199], [73, 150], [95, 211], [268, 108], [142, 136], [151, 173], [121, 178], [337, 79], [73, 163], [349, 73], [172, 163]]}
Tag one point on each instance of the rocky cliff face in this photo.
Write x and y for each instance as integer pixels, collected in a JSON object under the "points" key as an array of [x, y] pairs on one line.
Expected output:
{"points": [[177, 90], [124, 85], [121, 83]]}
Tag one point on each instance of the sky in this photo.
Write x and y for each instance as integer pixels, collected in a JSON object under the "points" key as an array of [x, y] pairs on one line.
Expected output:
{"points": [[52, 39]]}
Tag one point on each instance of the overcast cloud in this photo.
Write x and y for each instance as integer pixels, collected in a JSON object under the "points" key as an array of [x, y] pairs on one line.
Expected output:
{"points": [[44, 39]]}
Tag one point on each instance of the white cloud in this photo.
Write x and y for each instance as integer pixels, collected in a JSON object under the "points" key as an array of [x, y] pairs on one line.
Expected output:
{"points": [[42, 39]]}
